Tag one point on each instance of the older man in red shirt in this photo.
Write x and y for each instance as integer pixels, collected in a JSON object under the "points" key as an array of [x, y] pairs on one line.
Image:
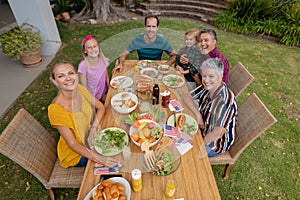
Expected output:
{"points": [[207, 40]]}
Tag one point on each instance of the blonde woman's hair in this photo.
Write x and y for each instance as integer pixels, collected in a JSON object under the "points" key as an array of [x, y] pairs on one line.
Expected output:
{"points": [[52, 75]]}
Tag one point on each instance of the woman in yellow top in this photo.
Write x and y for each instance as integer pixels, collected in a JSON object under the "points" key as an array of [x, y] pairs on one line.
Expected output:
{"points": [[71, 113]]}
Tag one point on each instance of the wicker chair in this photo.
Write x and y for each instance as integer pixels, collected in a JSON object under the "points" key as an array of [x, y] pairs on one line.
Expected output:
{"points": [[28, 143], [239, 79], [253, 119]]}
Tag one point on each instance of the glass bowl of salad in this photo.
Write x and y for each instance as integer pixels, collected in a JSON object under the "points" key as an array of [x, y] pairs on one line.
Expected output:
{"points": [[167, 161]]}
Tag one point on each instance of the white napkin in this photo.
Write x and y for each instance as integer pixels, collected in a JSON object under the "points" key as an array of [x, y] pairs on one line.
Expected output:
{"points": [[183, 148], [175, 105]]}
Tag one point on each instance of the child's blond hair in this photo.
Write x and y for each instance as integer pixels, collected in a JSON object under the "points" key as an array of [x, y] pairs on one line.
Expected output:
{"points": [[101, 55], [192, 32]]}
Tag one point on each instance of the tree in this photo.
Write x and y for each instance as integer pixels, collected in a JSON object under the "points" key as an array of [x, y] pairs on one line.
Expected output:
{"points": [[100, 10]]}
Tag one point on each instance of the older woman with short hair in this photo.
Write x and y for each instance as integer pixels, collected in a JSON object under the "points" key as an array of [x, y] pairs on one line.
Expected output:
{"points": [[217, 109]]}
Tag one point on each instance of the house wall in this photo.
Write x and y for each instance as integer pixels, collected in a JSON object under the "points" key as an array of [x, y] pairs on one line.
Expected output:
{"points": [[39, 14]]}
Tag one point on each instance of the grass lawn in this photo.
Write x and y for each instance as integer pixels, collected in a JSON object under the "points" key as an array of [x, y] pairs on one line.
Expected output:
{"points": [[268, 169]]}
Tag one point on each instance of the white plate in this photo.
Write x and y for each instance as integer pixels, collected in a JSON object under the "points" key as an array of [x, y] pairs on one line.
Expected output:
{"points": [[121, 82], [114, 150], [173, 81], [118, 100], [147, 63], [133, 130], [191, 126], [115, 180], [148, 71], [164, 69]]}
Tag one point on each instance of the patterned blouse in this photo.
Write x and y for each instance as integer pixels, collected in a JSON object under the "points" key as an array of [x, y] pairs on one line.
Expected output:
{"points": [[219, 111]]}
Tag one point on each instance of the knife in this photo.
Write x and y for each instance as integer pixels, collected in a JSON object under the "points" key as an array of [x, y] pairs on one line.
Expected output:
{"points": [[174, 119]]}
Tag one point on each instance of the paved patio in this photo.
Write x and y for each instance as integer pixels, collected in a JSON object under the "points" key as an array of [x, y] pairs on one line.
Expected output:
{"points": [[14, 78]]}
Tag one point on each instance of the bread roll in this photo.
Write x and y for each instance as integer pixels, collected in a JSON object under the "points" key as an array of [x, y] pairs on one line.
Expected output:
{"points": [[122, 197], [125, 96], [100, 187], [114, 189], [124, 106], [121, 187], [107, 195], [108, 190], [115, 196], [97, 194], [107, 183], [94, 194], [118, 102]]}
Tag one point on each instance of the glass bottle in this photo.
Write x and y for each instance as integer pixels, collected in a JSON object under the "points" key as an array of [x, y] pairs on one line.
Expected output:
{"points": [[155, 94], [137, 183]]}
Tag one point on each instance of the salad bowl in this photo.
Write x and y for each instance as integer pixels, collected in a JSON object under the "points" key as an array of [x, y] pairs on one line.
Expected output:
{"points": [[167, 161]]}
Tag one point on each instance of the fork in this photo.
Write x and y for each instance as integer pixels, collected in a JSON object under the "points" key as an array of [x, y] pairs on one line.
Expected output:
{"points": [[161, 147], [115, 168], [149, 155]]}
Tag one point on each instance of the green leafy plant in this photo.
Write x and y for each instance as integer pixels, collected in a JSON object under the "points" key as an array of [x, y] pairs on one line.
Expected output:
{"points": [[255, 9], [77, 5], [291, 35], [19, 40], [226, 19], [292, 13], [269, 27], [276, 18], [63, 5]]}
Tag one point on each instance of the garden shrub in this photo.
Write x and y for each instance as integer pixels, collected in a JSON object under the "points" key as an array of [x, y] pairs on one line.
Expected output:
{"points": [[277, 18]]}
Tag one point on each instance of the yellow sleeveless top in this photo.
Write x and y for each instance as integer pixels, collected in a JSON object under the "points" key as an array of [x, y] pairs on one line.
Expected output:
{"points": [[78, 122]]}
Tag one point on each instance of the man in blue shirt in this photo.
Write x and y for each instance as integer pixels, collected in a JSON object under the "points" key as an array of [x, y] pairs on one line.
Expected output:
{"points": [[149, 45]]}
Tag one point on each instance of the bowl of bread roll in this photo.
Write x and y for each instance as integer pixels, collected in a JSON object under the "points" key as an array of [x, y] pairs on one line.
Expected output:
{"points": [[124, 102], [116, 188]]}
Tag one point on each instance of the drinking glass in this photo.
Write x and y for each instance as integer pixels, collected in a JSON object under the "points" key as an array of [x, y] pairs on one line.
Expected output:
{"points": [[171, 188]]}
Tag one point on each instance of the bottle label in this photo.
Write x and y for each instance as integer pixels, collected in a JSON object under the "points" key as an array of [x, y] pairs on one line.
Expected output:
{"points": [[155, 99], [137, 185]]}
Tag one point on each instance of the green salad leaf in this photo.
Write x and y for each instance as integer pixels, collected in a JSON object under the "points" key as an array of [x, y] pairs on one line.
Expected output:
{"points": [[157, 114], [110, 139], [172, 81], [131, 118], [164, 165], [190, 128]]}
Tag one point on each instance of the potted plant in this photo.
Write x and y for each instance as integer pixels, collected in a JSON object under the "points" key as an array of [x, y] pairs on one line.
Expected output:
{"points": [[63, 7], [21, 42]]}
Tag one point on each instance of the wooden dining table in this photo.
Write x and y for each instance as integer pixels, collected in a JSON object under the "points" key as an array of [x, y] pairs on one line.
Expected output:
{"points": [[195, 179]]}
